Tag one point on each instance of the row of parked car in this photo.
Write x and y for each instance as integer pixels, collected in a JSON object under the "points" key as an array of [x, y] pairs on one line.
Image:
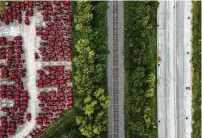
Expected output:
{"points": [[54, 46], [13, 70]]}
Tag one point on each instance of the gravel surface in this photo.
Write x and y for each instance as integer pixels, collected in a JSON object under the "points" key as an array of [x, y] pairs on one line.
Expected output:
{"points": [[174, 70], [111, 127], [110, 68], [121, 68]]}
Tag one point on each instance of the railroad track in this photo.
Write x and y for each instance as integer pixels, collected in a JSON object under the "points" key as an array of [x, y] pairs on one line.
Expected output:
{"points": [[115, 71]]}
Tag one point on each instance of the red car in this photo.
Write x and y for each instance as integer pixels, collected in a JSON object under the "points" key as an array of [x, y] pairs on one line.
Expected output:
{"points": [[19, 18], [52, 38], [45, 33], [47, 28], [50, 8], [46, 18], [28, 116], [53, 13], [2, 38], [2, 43], [44, 13], [39, 28], [10, 43], [18, 37], [43, 43], [45, 3], [50, 23], [18, 42], [27, 22], [58, 7], [52, 33], [67, 7], [38, 33], [44, 37], [29, 13], [36, 56], [41, 7], [67, 2], [5, 20]]}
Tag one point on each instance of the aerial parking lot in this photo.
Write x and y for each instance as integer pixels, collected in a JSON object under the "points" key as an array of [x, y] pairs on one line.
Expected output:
{"points": [[35, 66], [100, 69]]}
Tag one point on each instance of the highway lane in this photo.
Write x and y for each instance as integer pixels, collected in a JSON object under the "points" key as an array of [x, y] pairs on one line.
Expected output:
{"points": [[165, 71], [180, 69], [170, 71], [174, 69], [161, 106]]}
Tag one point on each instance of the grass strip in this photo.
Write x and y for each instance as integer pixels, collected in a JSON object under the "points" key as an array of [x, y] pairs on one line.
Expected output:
{"points": [[2, 6], [196, 69]]}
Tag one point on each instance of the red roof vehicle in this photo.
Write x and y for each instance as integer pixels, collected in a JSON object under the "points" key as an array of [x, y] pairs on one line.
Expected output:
{"points": [[29, 13], [28, 116], [19, 42], [39, 28], [18, 37], [10, 43], [44, 37], [26, 21], [2, 38]]}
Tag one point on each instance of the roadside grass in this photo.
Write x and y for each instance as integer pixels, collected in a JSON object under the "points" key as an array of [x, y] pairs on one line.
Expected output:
{"points": [[2, 6], [140, 44], [66, 126], [196, 69]]}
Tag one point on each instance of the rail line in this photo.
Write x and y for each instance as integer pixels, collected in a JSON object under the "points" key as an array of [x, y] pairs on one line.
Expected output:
{"points": [[115, 70]]}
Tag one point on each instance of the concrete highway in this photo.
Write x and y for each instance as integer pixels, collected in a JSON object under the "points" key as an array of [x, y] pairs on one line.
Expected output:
{"points": [[174, 69]]}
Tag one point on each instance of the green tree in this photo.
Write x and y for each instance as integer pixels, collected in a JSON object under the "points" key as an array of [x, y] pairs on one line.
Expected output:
{"points": [[89, 74]]}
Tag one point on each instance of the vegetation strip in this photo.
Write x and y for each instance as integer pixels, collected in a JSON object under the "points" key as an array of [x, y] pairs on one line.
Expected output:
{"points": [[196, 69], [2, 6], [92, 102], [88, 118], [140, 38]]}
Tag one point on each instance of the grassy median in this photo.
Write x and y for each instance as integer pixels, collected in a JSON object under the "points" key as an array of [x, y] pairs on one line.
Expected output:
{"points": [[140, 43], [196, 69]]}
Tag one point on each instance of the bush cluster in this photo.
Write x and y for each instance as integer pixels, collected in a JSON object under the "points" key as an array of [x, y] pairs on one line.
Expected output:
{"points": [[140, 44], [89, 71]]}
